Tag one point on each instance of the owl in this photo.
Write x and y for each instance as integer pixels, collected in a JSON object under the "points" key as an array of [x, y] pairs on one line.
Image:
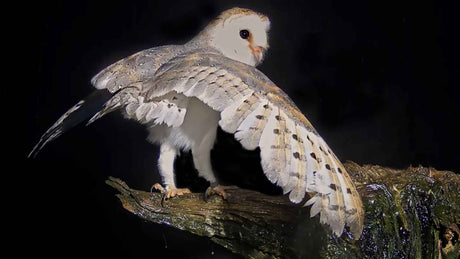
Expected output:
{"points": [[183, 93]]}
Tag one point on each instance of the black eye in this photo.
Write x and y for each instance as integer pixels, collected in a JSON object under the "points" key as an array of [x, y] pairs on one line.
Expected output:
{"points": [[244, 34]]}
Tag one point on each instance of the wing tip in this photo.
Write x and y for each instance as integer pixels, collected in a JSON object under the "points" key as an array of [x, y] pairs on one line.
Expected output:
{"points": [[336, 224], [33, 154], [51, 134]]}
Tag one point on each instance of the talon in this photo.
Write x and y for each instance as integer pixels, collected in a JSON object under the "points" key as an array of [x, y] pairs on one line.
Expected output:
{"points": [[209, 191], [158, 187], [217, 190], [169, 192], [163, 198]]}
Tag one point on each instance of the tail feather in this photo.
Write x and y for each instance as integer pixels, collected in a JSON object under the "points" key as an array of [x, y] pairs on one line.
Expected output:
{"points": [[79, 113]]}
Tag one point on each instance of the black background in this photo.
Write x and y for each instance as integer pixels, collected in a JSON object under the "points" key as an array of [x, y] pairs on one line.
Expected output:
{"points": [[377, 79]]}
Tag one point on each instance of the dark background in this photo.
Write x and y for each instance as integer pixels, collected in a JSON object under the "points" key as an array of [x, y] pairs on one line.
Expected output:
{"points": [[377, 79]]}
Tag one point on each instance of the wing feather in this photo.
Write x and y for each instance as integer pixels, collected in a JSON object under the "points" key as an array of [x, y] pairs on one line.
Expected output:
{"points": [[273, 157], [135, 68], [233, 115], [169, 109], [285, 126], [250, 130], [298, 160]]}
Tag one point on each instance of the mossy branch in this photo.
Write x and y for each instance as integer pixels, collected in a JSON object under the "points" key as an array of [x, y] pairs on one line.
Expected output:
{"points": [[411, 213]]}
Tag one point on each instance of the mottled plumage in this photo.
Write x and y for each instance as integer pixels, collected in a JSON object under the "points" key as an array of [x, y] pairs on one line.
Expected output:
{"points": [[182, 93]]}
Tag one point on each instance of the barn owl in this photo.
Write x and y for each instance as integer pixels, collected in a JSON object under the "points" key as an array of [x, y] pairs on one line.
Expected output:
{"points": [[182, 93]]}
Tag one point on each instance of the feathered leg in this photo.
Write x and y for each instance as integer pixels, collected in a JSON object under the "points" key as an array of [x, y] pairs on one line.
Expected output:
{"points": [[202, 160], [202, 156], [168, 154]]}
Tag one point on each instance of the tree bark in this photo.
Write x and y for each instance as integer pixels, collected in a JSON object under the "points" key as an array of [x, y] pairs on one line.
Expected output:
{"points": [[411, 213]]}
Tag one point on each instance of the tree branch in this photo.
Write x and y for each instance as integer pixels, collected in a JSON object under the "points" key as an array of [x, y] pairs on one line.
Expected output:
{"points": [[409, 213]]}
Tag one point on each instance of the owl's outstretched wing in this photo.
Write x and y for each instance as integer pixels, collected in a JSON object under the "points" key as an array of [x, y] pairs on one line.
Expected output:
{"points": [[116, 85], [259, 114]]}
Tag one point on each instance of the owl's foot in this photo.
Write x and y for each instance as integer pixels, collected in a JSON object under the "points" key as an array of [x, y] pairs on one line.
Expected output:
{"points": [[218, 190], [169, 192]]}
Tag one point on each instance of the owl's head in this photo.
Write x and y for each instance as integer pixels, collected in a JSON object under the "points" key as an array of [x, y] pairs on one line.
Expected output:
{"points": [[240, 34]]}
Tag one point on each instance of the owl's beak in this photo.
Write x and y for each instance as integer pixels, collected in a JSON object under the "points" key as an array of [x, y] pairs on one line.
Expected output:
{"points": [[258, 52]]}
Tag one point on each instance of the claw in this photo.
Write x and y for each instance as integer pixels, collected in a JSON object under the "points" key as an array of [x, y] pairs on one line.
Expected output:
{"points": [[158, 187], [217, 190], [169, 192], [163, 199], [209, 191]]}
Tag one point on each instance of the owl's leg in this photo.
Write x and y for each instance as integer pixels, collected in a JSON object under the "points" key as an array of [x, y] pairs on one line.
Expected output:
{"points": [[202, 160], [168, 154]]}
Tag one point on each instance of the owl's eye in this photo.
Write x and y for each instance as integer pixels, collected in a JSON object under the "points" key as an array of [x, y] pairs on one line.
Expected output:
{"points": [[244, 34]]}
